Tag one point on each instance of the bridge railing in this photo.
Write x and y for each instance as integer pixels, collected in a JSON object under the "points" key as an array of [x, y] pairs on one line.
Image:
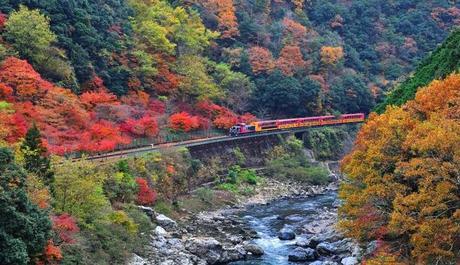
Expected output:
{"points": [[162, 138], [170, 137]]}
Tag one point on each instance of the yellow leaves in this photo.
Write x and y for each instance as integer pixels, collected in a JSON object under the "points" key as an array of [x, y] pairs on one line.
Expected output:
{"points": [[331, 55], [121, 218], [406, 163]]}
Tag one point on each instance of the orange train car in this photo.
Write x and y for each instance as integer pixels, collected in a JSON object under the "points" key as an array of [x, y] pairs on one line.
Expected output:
{"points": [[285, 124]]}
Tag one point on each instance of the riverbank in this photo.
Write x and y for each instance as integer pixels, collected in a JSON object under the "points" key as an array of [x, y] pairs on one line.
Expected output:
{"points": [[222, 236]]}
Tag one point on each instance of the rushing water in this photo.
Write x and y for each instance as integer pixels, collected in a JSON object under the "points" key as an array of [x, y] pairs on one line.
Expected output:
{"points": [[267, 220]]}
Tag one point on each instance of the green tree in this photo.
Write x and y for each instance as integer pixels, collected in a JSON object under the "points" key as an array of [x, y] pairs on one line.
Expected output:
{"points": [[350, 94], [79, 191], [24, 229], [286, 96], [29, 32], [237, 86], [35, 156], [196, 82]]}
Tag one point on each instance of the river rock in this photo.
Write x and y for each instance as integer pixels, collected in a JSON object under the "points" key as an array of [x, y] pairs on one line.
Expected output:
{"points": [[206, 248], [286, 234], [349, 261], [136, 260], [160, 231], [302, 254], [165, 222], [254, 249], [303, 242], [325, 249], [327, 262], [314, 241], [233, 254], [147, 210], [347, 246]]}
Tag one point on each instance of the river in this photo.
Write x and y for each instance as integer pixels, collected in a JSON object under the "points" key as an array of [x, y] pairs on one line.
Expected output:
{"points": [[268, 220]]}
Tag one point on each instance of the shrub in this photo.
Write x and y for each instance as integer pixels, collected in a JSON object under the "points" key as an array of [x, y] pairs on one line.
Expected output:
{"points": [[228, 187], [205, 194]]}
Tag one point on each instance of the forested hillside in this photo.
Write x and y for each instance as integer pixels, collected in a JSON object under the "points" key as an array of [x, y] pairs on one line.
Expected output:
{"points": [[139, 69], [89, 76], [402, 187], [442, 62]]}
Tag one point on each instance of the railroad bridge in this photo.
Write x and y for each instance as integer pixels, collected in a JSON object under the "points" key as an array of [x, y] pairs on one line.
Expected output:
{"points": [[222, 146]]}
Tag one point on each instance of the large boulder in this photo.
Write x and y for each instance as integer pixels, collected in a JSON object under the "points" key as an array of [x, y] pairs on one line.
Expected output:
{"points": [[302, 242], [254, 249], [165, 222], [349, 261], [206, 248], [286, 234], [314, 241], [233, 254], [302, 254], [325, 249]]}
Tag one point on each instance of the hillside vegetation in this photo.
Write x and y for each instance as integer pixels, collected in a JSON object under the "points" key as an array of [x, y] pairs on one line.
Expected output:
{"points": [[402, 187], [158, 69], [93, 76], [443, 61]]}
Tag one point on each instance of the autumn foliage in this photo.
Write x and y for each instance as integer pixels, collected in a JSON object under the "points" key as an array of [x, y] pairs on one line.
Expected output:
{"points": [[145, 195], [52, 253], [403, 175], [65, 226], [183, 122], [331, 55], [225, 12], [290, 60], [261, 60]]}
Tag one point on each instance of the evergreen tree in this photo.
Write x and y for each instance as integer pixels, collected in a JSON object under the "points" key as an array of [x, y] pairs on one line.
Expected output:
{"points": [[35, 159], [24, 229]]}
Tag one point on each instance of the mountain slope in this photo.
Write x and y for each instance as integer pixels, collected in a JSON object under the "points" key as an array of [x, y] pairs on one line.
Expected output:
{"points": [[443, 61]]}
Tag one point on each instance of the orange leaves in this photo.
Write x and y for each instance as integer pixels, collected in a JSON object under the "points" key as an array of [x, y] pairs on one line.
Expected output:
{"points": [[145, 195], [183, 122], [225, 120], [261, 60], [225, 12], [331, 55], [92, 98], [6, 92], [52, 253], [22, 78], [405, 163], [294, 31], [290, 60], [439, 97]]}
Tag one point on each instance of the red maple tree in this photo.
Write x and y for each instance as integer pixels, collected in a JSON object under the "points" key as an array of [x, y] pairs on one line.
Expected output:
{"points": [[145, 195]]}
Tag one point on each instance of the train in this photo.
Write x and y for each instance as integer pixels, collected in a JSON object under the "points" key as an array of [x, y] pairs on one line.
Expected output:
{"points": [[285, 124]]}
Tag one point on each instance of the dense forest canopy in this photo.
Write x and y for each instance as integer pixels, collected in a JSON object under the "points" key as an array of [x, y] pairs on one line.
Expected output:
{"points": [[89, 76], [130, 65]]}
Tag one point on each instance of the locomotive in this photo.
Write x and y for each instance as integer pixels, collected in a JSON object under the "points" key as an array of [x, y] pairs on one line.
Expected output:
{"points": [[271, 125]]}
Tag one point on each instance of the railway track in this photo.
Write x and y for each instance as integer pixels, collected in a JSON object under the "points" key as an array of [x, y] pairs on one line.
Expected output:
{"points": [[150, 148]]}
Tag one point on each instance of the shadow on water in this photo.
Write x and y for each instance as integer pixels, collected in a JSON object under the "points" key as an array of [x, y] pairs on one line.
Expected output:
{"points": [[268, 220]]}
